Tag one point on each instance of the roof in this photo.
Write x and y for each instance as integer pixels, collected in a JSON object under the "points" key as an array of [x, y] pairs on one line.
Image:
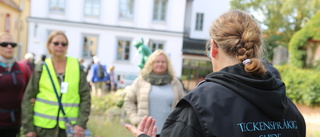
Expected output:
{"points": [[193, 46], [10, 4]]}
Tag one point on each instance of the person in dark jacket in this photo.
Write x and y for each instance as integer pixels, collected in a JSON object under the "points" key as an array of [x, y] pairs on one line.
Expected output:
{"points": [[240, 98], [14, 77]]}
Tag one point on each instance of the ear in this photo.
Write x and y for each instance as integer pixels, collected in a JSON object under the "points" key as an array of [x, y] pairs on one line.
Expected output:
{"points": [[214, 49]]}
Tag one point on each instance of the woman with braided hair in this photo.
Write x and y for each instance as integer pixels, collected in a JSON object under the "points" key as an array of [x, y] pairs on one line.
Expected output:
{"points": [[240, 98]]}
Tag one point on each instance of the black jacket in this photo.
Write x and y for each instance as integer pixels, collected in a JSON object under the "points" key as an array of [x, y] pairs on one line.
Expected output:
{"points": [[232, 103]]}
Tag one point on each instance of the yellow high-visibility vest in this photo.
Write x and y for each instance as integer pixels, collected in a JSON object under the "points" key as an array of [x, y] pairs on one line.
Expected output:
{"points": [[46, 107]]}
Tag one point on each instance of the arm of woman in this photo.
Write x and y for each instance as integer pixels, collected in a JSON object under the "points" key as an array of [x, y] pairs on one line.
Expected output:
{"points": [[28, 100], [130, 103], [85, 101], [182, 122]]}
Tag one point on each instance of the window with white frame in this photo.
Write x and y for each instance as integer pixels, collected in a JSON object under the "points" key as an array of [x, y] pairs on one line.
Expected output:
{"points": [[57, 6], [92, 7], [123, 49], [154, 45], [159, 10], [90, 44], [199, 21], [126, 9]]}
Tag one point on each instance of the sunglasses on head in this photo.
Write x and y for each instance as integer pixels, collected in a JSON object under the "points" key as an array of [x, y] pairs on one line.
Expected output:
{"points": [[6, 44], [62, 44]]}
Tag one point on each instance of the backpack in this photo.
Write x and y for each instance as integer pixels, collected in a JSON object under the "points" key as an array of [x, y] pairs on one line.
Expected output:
{"points": [[101, 73]]}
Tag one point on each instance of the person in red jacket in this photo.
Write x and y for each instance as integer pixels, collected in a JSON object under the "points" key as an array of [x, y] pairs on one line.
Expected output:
{"points": [[13, 80]]}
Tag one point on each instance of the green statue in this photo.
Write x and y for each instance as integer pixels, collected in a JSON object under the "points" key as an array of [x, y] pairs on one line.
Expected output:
{"points": [[143, 50]]}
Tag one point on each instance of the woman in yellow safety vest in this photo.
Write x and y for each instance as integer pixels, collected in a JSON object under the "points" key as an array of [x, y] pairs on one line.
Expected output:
{"points": [[41, 114]]}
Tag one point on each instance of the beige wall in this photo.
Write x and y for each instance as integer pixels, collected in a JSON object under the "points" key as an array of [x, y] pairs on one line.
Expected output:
{"points": [[18, 23], [23, 38], [14, 15]]}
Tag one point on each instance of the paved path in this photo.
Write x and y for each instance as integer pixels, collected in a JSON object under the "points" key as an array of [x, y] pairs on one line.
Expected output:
{"points": [[311, 116]]}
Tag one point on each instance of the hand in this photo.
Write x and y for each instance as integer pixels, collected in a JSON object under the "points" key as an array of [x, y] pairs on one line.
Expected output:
{"points": [[146, 127], [32, 100], [31, 134], [78, 131]]}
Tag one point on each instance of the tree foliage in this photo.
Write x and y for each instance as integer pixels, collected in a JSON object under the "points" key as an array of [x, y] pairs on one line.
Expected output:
{"points": [[279, 17], [297, 45]]}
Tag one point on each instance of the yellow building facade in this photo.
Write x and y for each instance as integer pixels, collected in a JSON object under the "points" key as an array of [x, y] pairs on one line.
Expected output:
{"points": [[13, 19]]}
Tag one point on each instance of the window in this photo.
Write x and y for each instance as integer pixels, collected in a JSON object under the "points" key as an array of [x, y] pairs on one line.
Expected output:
{"points": [[92, 7], [194, 71], [7, 22], [199, 21], [159, 10], [154, 45], [126, 9], [90, 44], [57, 6], [123, 49]]}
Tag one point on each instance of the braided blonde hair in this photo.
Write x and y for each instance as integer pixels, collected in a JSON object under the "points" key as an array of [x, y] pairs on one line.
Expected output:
{"points": [[239, 35]]}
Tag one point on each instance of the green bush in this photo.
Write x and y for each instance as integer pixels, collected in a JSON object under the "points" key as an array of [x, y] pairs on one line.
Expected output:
{"points": [[102, 104], [107, 116], [297, 44], [303, 85]]}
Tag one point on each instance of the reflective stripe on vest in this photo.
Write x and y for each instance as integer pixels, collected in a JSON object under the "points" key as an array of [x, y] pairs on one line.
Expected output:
{"points": [[57, 104], [46, 106], [54, 117]]}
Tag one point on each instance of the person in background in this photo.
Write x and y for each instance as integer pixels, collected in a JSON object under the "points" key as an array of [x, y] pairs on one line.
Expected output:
{"points": [[14, 77], [81, 63], [240, 98], [89, 73], [89, 66], [155, 92], [112, 85], [41, 115], [98, 78], [42, 57], [29, 60]]}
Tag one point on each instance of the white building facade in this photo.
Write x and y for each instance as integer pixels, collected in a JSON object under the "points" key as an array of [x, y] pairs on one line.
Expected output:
{"points": [[198, 18], [108, 28]]}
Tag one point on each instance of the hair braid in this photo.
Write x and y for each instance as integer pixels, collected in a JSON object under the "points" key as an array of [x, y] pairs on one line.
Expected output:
{"points": [[238, 34]]}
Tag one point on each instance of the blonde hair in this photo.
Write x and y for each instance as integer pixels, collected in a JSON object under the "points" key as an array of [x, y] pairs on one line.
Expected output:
{"points": [[147, 69], [239, 35], [52, 35]]}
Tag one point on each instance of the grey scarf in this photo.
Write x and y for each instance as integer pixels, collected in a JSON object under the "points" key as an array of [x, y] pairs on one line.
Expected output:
{"points": [[156, 79], [7, 63]]}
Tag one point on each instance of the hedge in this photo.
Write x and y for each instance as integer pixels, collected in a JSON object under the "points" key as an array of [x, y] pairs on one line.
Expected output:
{"points": [[297, 49], [303, 85]]}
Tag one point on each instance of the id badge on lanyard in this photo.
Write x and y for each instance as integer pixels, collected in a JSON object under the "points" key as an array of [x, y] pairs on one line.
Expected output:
{"points": [[64, 87]]}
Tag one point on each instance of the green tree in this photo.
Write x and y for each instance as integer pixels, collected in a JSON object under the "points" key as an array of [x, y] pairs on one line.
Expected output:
{"points": [[278, 18]]}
